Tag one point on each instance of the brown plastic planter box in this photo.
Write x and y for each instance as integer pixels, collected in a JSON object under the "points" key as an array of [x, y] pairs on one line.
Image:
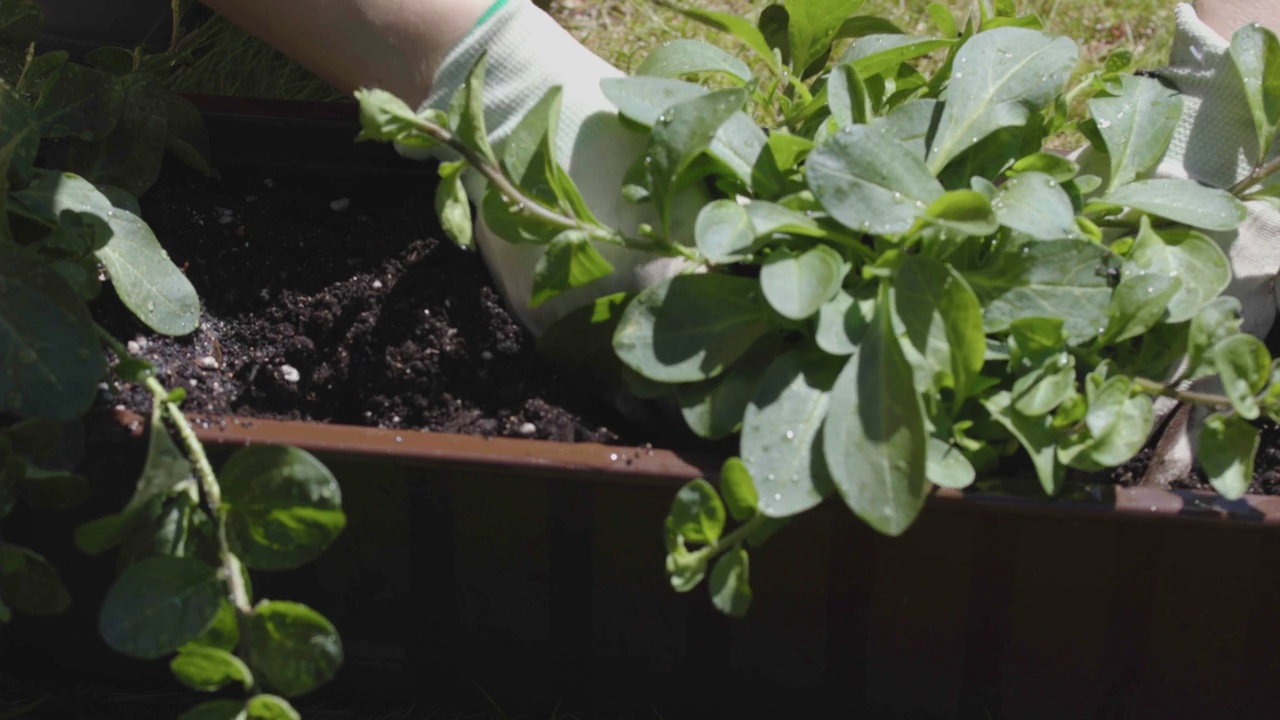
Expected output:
{"points": [[533, 571]]}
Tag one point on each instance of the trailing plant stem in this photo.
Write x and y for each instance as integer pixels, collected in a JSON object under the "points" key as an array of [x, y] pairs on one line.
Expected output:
{"points": [[1190, 397], [1260, 173], [205, 475], [733, 539], [212, 493], [532, 209]]}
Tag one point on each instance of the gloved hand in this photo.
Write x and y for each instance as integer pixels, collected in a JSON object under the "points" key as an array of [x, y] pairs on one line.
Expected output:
{"points": [[1216, 144], [529, 53]]}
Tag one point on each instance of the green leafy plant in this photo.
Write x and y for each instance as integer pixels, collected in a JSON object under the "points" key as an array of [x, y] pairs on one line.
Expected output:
{"points": [[894, 285], [77, 143]]}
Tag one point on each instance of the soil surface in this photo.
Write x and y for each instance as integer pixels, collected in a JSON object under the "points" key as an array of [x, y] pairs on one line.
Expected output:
{"points": [[335, 297]]}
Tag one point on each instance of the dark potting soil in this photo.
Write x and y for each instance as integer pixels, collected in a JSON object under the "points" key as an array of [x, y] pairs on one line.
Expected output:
{"points": [[335, 297]]}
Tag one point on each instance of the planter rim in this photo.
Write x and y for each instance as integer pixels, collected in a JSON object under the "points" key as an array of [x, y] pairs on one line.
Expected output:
{"points": [[643, 466]]}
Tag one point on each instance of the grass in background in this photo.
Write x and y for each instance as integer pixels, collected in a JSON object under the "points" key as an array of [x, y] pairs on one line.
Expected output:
{"points": [[229, 62]]}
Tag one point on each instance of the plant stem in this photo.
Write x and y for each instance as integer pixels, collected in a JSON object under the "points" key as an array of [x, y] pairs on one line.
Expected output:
{"points": [[734, 538], [531, 208], [204, 473], [1260, 173], [1190, 397]]}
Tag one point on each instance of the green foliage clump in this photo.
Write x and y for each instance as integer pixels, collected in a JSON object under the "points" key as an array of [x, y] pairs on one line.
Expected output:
{"points": [[894, 285], [78, 143]]}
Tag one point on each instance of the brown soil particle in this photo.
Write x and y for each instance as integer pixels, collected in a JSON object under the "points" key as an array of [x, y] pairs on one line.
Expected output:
{"points": [[332, 296]]}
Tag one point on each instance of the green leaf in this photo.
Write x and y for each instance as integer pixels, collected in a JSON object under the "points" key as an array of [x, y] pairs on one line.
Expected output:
{"points": [[1035, 204], [223, 633], [1139, 304], [691, 327], [270, 707], [963, 211], [697, 514], [1137, 126], [910, 124], [738, 490], [736, 26], [874, 438], [943, 19], [52, 489], [998, 79], [681, 57], [1217, 320], [843, 321], [131, 154], [946, 466], [1116, 426], [1051, 278], [20, 22], [115, 60], [863, 25], [1048, 382], [1256, 54], [796, 285], [1227, 448], [209, 669], [683, 132], [386, 118], [452, 206], [165, 468], [291, 647], [714, 409], [144, 277], [1059, 167], [943, 323], [1244, 365], [19, 137], [571, 261], [781, 432], [466, 112], [216, 710], [736, 145], [723, 231], [812, 26], [50, 363], [29, 584], [160, 604], [1184, 201], [283, 506], [1188, 256], [848, 97], [82, 102], [768, 218], [730, 591], [870, 182], [879, 53], [1035, 434]]}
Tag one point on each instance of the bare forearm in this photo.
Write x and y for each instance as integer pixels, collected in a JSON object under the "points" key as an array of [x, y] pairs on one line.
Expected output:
{"points": [[392, 44], [1226, 16]]}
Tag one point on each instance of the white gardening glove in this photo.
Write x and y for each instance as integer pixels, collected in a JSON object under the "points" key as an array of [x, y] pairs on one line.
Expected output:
{"points": [[1215, 143], [529, 53]]}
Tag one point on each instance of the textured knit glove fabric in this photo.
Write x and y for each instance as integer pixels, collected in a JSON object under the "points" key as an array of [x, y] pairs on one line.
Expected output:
{"points": [[1216, 144]]}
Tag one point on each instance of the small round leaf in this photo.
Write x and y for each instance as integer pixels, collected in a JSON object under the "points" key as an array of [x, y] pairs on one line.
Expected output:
{"points": [[160, 604], [29, 584], [209, 669], [270, 707], [283, 506], [292, 648], [216, 710]]}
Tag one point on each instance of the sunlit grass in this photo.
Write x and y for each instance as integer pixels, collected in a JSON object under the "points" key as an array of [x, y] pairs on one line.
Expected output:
{"points": [[623, 31]]}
